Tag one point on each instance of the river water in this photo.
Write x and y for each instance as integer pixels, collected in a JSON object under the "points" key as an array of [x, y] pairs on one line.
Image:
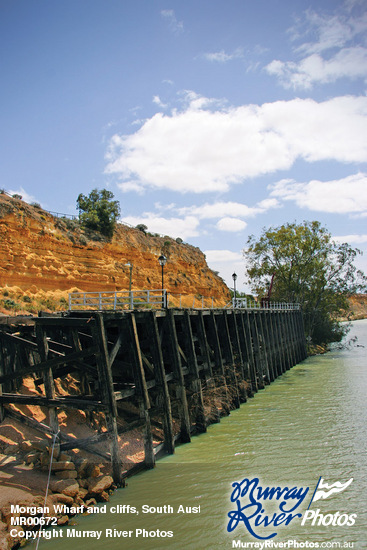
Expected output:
{"points": [[310, 423]]}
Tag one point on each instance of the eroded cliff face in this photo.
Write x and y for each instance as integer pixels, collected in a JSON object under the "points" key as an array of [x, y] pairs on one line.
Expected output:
{"points": [[41, 252]]}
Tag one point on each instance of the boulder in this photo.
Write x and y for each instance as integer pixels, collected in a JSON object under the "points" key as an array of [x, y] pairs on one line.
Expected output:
{"points": [[96, 485], [66, 474], [68, 487]]}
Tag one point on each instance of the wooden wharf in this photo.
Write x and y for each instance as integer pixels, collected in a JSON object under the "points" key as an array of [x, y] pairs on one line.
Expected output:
{"points": [[174, 370]]}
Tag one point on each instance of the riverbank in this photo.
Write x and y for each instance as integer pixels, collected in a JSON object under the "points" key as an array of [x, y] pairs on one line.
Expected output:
{"points": [[79, 480]]}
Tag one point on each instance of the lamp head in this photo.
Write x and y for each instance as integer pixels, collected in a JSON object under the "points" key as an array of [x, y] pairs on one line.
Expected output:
{"points": [[162, 260]]}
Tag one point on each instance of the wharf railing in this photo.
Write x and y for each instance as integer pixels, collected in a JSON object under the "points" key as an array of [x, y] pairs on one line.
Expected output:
{"points": [[160, 298], [246, 303], [121, 299]]}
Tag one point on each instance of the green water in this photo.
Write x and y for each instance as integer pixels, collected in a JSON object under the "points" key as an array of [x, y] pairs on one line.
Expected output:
{"points": [[310, 422]]}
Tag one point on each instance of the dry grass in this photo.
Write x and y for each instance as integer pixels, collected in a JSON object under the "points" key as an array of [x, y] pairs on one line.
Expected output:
{"points": [[14, 300]]}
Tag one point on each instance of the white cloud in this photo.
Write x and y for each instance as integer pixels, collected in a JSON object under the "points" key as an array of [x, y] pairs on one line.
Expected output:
{"points": [[25, 196], [174, 227], [157, 100], [344, 196], [175, 26], [222, 56], [231, 224], [201, 150], [228, 209], [327, 43], [347, 63], [351, 239], [329, 31], [222, 256]]}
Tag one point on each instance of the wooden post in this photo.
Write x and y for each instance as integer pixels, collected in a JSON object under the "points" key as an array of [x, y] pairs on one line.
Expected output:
{"points": [[47, 376], [108, 395], [142, 391], [2, 371], [164, 401], [245, 319], [263, 347], [179, 378], [267, 342], [256, 350], [218, 359], [205, 351], [274, 343], [238, 350], [195, 381], [229, 356], [282, 355]]}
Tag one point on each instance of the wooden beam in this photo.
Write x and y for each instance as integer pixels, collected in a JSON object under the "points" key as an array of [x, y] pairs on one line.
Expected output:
{"points": [[160, 377], [47, 376], [108, 395], [50, 364], [63, 402], [142, 392], [179, 378]]}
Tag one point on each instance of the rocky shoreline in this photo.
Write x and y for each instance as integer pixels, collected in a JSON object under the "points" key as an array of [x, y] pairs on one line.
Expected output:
{"points": [[76, 485]]}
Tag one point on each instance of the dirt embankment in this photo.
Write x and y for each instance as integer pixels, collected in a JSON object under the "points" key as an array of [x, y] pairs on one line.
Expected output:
{"points": [[357, 308], [45, 257]]}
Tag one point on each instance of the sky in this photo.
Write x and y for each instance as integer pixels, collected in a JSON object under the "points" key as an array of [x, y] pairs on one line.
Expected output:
{"points": [[209, 120]]}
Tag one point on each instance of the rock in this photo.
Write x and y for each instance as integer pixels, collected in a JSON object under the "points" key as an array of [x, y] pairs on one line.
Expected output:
{"points": [[32, 457], [82, 493], [67, 487], [64, 456], [79, 501], [103, 497], [83, 468], [91, 502], [26, 445], [64, 520], [66, 474], [42, 445], [11, 449], [46, 459], [63, 499], [56, 453], [93, 470], [96, 485], [62, 465], [83, 483], [17, 538]]}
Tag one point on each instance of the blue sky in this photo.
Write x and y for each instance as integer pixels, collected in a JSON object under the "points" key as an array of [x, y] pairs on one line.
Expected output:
{"points": [[208, 120]]}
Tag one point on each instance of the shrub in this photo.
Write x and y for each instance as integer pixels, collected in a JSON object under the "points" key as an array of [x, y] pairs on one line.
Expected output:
{"points": [[141, 227], [98, 211], [10, 304]]}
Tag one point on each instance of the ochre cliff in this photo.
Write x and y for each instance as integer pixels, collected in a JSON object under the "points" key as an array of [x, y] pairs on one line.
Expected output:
{"points": [[39, 252]]}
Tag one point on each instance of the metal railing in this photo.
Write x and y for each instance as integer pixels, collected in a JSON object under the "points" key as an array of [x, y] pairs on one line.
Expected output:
{"points": [[246, 303], [121, 299], [143, 299]]}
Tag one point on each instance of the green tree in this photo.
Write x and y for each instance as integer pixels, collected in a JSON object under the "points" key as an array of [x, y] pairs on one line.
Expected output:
{"points": [[98, 211], [308, 268]]}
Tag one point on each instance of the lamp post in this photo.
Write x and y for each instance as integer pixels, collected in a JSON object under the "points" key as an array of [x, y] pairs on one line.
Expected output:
{"points": [[234, 277], [162, 262]]}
